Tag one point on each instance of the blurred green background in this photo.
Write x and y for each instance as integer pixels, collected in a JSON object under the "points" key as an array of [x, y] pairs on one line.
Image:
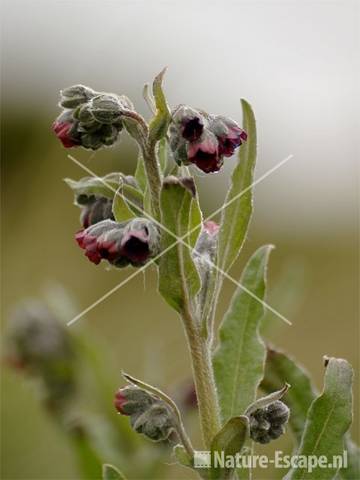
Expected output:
{"points": [[300, 81]]}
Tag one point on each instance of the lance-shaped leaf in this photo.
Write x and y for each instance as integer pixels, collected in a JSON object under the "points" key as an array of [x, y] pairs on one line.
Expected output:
{"points": [[109, 472], [140, 174], [179, 280], [238, 204], [328, 419], [163, 154], [101, 186], [280, 368], [228, 442], [159, 124], [240, 356]]}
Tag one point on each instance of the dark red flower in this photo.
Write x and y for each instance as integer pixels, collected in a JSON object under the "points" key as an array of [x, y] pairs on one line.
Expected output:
{"points": [[119, 402], [192, 129], [205, 153], [62, 131], [229, 142], [135, 246], [133, 242]]}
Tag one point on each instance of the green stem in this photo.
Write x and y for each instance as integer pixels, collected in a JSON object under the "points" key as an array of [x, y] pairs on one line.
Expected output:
{"points": [[154, 179], [204, 379]]}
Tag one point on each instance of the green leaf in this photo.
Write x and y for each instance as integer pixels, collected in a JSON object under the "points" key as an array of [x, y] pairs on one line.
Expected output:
{"points": [[240, 356], [163, 154], [120, 208], [195, 220], [236, 216], [159, 124], [328, 419], [127, 203], [109, 472], [179, 280], [101, 186], [182, 456], [263, 402], [140, 174], [279, 368], [230, 440]]}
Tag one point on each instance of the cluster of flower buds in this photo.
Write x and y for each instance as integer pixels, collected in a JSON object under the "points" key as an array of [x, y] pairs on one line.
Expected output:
{"points": [[202, 139], [268, 423], [40, 345], [133, 242], [148, 414], [89, 119]]}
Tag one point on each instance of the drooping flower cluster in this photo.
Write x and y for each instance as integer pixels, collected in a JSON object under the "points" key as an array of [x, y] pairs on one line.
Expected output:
{"points": [[202, 139], [40, 345], [89, 119], [148, 414], [268, 423], [133, 242]]}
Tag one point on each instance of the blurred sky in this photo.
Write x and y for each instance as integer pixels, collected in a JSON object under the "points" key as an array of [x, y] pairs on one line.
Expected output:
{"points": [[295, 61]]}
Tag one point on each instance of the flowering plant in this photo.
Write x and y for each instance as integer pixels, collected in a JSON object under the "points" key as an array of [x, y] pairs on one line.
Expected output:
{"points": [[154, 217]]}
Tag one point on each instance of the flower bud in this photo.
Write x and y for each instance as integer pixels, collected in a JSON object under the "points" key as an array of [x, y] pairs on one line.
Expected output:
{"points": [[93, 119], [106, 109], [134, 242], [95, 210], [148, 414], [202, 139], [268, 423], [189, 121], [64, 128], [72, 97]]}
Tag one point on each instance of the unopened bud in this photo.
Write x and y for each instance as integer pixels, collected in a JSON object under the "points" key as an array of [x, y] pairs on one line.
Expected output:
{"points": [[95, 210], [268, 423], [72, 97], [148, 414]]}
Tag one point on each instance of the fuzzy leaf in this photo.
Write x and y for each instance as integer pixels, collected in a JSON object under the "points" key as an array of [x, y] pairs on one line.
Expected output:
{"points": [[140, 174], [109, 472], [230, 440], [236, 216], [101, 186], [195, 220], [182, 456], [159, 124], [239, 358], [328, 419], [178, 278], [120, 208], [163, 154], [279, 368]]}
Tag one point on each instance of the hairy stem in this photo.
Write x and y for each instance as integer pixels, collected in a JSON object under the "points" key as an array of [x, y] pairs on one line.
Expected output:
{"points": [[153, 177], [204, 379]]}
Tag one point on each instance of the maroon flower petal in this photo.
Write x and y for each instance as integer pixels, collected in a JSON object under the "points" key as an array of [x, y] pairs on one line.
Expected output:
{"points": [[192, 129], [135, 246], [62, 131], [119, 402]]}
